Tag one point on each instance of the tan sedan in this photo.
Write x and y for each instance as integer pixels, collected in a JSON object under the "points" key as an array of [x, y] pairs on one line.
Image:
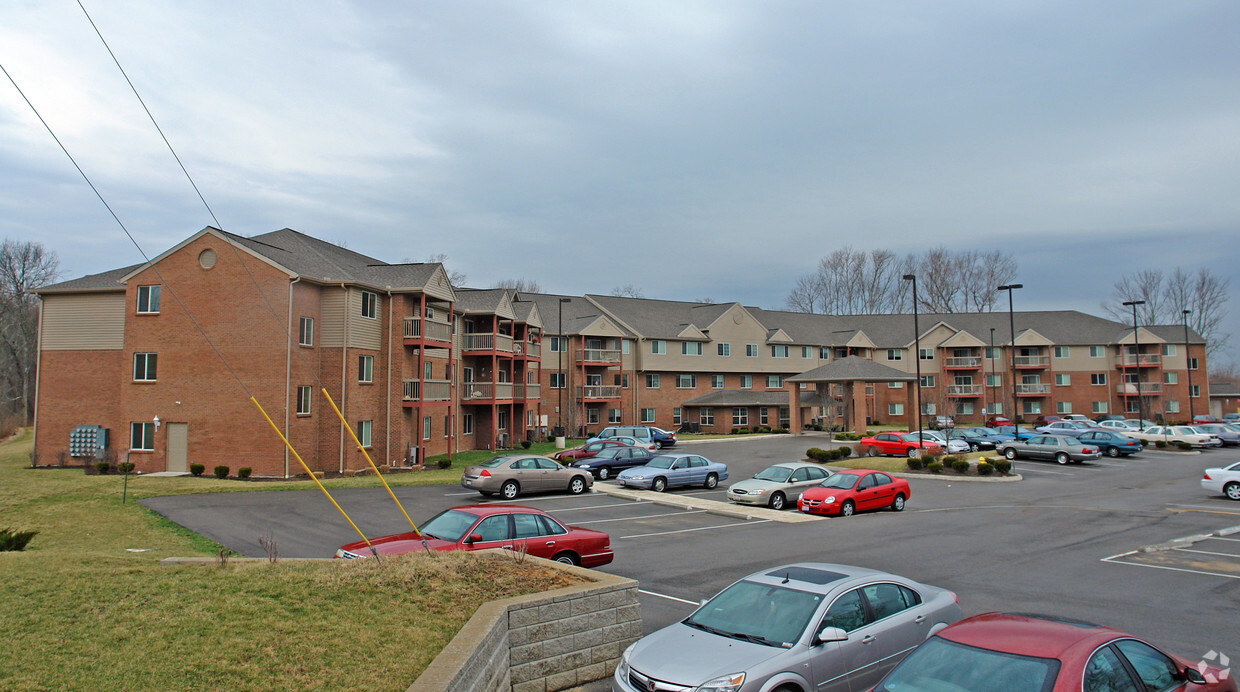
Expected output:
{"points": [[513, 474]]}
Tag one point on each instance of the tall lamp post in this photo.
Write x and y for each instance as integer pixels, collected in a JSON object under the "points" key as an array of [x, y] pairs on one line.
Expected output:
{"points": [[916, 357], [559, 361], [1012, 327], [1136, 347], [1187, 363]]}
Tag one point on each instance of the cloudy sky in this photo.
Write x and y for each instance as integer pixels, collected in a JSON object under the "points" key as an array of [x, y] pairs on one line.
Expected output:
{"points": [[693, 149]]}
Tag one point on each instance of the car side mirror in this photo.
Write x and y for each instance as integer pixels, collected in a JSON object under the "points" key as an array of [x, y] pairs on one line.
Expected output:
{"points": [[1194, 676], [473, 538], [832, 634]]}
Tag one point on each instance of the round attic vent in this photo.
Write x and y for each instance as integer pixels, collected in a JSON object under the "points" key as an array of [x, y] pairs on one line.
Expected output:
{"points": [[206, 258]]}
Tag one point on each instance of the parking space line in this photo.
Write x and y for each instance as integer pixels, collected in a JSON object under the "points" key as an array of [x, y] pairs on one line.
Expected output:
{"points": [[628, 503], [1025, 467], [1205, 552], [644, 516], [700, 528], [670, 598], [1115, 561]]}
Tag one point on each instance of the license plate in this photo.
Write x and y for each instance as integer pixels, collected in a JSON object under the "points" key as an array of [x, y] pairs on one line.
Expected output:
{"points": [[469, 482], [805, 508]]}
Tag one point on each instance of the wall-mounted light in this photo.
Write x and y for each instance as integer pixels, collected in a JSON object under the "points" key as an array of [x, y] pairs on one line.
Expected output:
{"points": [[157, 422]]}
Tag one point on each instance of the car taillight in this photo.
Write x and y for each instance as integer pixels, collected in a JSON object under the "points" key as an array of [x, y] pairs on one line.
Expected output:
{"points": [[1206, 476], [484, 474]]}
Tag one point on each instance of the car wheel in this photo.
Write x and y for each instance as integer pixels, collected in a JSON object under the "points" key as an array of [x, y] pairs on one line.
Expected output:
{"points": [[871, 451], [1009, 454], [974, 447], [1062, 458], [577, 485], [712, 480], [777, 501], [509, 490], [604, 473], [658, 485], [567, 558], [1232, 491], [848, 508], [897, 505], [658, 445], [913, 453], [1112, 451]]}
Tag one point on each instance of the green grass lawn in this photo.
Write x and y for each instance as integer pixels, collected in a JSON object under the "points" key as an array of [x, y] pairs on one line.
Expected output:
{"points": [[81, 611]]}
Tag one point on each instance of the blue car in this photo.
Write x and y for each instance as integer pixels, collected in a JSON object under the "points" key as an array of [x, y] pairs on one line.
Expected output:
{"points": [[1112, 443], [992, 434], [671, 470], [1017, 432]]}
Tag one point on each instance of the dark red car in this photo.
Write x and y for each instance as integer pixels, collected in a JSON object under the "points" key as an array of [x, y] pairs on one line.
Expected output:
{"points": [[1035, 653], [898, 444], [586, 451], [478, 527], [996, 421], [855, 490]]}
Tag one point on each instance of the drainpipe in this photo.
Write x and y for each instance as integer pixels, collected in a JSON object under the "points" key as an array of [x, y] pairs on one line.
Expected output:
{"points": [[288, 369], [344, 372], [387, 413]]}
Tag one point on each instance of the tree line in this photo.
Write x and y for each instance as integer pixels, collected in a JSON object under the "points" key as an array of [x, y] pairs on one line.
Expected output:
{"points": [[23, 266]]}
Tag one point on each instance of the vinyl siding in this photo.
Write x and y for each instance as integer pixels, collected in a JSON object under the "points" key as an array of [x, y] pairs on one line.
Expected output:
{"points": [[331, 318], [84, 322]]}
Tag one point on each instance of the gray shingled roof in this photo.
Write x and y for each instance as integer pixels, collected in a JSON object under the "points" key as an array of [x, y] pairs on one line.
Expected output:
{"points": [[853, 369], [749, 397], [660, 319], [579, 313], [105, 281], [484, 300], [1224, 389]]}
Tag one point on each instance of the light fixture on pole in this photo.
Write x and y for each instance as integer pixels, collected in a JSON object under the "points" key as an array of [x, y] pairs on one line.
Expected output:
{"points": [[559, 362], [1136, 347], [916, 357], [1012, 328], [1187, 367]]}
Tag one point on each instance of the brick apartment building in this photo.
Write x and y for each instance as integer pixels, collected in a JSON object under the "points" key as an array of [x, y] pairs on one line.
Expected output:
{"points": [[419, 367]]}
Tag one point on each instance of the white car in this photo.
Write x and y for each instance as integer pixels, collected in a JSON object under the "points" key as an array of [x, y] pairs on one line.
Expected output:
{"points": [[1078, 416], [1119, 425], [1224, 481], [956, 446], [1175, 433]]}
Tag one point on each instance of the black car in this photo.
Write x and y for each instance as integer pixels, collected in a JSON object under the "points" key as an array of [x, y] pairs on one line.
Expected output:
{"points": [[613, 460], [977, 441]]}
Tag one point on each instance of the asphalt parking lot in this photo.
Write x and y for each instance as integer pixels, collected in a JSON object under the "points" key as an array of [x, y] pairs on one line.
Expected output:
{"points": [[1065, 540]]}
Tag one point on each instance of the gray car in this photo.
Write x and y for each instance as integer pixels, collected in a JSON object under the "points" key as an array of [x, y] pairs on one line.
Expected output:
{"points": [[808, 626], [513, 474], [1229, 434], [776, 486], [1061, 448]]}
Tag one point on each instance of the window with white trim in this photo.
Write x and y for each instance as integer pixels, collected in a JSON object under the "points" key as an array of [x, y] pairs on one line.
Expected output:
{"points": [[502, 418], [676, 415], [691, 348], [925, 354], [993, 352], [1173, 406], [658, 347], [895, 385], [779, 351], [824, 353], [303, 399], [807, 352], [895, 354], [467, 424], [746, 381], [148, 300], [895, 409], [1097, 352], [426, 426], [370, 304], [1168, 350], [1194, 391], [764, 417], [1098, 406], [927, 380], [994, 380], [1098, 378], [929, 408], [142, 436], [305, 332], [774, 381], [652, 381], [740, 415], [723, 349], [716, 381], [1170, 378], [592, 414], [751, 350], [1192, 363], [1061, 351], [613, 415], [365, 368], [686, 381], [363, 432], [706, 415], [1063, 407], [557, 344], [1063, 379], [647, 415], [556, 380], [144, 365]]}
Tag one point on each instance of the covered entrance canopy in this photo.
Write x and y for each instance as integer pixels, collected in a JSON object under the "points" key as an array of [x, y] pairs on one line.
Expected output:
{"points": [[849, 372]]}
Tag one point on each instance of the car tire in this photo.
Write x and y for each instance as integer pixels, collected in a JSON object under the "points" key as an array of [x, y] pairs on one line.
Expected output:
{"points": [[1112, 451], [974, 447], [657, 445], [777, 501], [1009, 454], [567, 559], [1232, 491], [604, 473], [1062, 458], [848, 508], [510, 490], [712, 480], [871, 451], [912, 453], [577, 485], [897, 505], [658, 485]]}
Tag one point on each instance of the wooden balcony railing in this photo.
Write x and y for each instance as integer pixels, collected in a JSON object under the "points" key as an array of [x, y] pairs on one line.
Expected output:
{"points": [[598, 355], [964, 390], [1033, 361], [533, 349], [486, 391], [1136, 389], [962, 362], [527, 391], [488, 342], [426, 390], [592, 391], [1129, 360], [418, 328], [1033, 389]]}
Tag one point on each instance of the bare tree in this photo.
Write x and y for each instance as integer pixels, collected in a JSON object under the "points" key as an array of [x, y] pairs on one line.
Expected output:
{"points": [[1203, 293], [806, 295], [627, 291], [519, 285], [23, 266], [457, 278]]}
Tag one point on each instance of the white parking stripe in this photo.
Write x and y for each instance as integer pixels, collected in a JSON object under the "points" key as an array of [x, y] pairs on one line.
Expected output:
{"points": [[701, 528], [670, 598], [644, 516], [1173, 569], [1205, 552], [626, 503]]}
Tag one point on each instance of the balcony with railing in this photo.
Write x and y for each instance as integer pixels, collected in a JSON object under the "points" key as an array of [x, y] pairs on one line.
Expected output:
{"points": [[425, 390], [527, 391], [598, 356], [418, 330], [485, 392], [474, 342], [598, 392], [527, 349], [964, 390], [1027, 389], [1033, 361], [1133, 360], [962, 362], [1138, 388]]}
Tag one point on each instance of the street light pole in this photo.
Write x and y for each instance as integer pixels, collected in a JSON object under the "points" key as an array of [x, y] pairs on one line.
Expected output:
{"points": [[1188, 362], [1136, 346], [1012, 327], [916, 358]]}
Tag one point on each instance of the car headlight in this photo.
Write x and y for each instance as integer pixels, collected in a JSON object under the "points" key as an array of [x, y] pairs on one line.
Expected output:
{"points": [[759, 491], [830, 499], [622, 670], [725, 683]]}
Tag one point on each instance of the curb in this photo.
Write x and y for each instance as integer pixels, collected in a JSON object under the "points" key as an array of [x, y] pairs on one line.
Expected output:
{"points": [[1010, 478], [724, 509], [1185, 541]]}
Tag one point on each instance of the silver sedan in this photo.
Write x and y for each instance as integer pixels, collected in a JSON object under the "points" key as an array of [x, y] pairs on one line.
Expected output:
{"points": [[776, 486]]}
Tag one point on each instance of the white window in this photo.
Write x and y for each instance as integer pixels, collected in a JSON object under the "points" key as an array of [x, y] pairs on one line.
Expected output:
{"points": [[370, 303], [1063, 380], [142, 436], [964, 408], [779, 351], [647, 415], [740, 415], [993, 353], [927, 380], [624, 381], [690, 348], [467, 424], [807, 352], [557, 344], [1098, 378], [996, 408], [652, 381], [1063, 407], [1098, 406], [592, 415], [751, 350], [994, 380], [676, 416], [426, 425], [895, 354], [1192, 363], [1168, 350], [303, 399], [556, 380], [1173, 406], [502, 418], [305, 332], [706, 416], [1097, 352], [723, 349], [929, 408], [774, 381], [926, 354], [763, 416], [716, 381], [746, 381], [366, 368], [895, 409], [1132, 406], [144, 367], [363, 432], [1194, 391], [686, 381], [429, 312], [613, 415], [1060, 351], [148, 300], [624, 346], [895, 385], [1033, 408], [1170, 378], [658, 347], [824, 353]]}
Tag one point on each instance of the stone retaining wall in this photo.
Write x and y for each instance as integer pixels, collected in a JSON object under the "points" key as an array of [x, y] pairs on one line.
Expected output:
{"points": [[540, 642]]}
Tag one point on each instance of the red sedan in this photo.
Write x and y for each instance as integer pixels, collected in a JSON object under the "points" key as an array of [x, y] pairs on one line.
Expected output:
{"points": [[897, 444], [478, 527], [998, 651], [587, 451], [855, 490]]}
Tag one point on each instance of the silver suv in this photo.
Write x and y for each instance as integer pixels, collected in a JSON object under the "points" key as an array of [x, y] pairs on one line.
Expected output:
{"points": [[808, 626]]}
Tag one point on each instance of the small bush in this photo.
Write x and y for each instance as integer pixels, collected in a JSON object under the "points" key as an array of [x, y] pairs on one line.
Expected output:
{"points": [[816, 454], [780, 431], [934, 467], [984, 469], [833, 454], [124, 467], [221, 472], [526, 444], [960, 465], [845, 452], [1161, 444], [444, 463], [950, 460], [102, 466], [740, 431], [15, 540], [1002, 465], [915, 463], [197, 469], [244, 472], [1181, 444]]}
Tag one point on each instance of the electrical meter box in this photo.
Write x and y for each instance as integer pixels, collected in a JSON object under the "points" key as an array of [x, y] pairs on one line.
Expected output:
{"points": [[88, 441]]}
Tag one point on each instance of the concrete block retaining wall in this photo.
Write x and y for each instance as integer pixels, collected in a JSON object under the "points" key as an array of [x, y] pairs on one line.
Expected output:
{"points": [[540, 642]]}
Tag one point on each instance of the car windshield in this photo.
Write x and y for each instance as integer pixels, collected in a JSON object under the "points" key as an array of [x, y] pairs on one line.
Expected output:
{"points": [[912, 437], [942, 665], [841, 481], [776, 474], [661, 462], [760, 613], [608, 453], [988, 431], [448, 525], [497, 461]]}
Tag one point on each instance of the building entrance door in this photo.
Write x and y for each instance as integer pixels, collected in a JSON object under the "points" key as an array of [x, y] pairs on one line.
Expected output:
{"points": [[178, 443]]}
